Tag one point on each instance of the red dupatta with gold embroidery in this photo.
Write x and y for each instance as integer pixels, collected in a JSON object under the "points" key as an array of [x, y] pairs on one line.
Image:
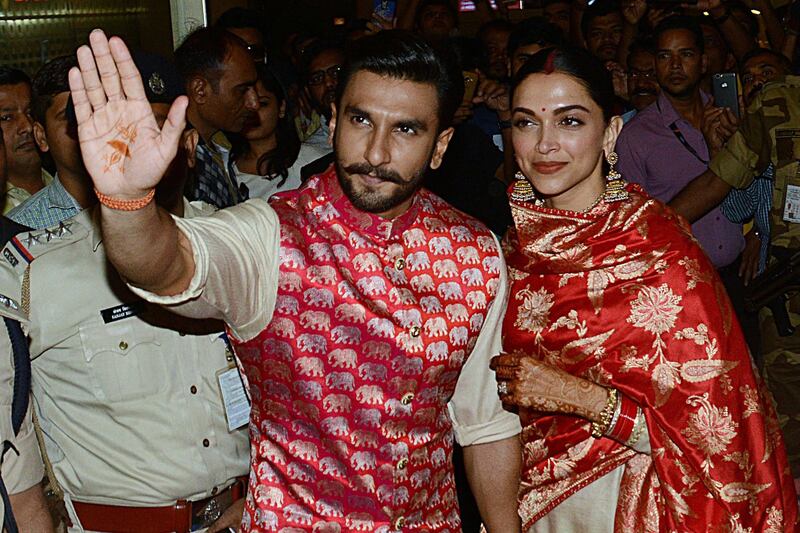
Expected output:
{"points": [[625, 297]]}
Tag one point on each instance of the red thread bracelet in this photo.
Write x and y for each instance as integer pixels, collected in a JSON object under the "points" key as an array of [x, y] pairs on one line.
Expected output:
{"points": [[125, 205]]}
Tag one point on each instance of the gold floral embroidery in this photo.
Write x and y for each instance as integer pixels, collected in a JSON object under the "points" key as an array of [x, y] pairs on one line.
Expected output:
{"points": [[752, 403], [534, 311], [774, 520], [655, 309], [742, 460], [710, 429], [694, 272]]}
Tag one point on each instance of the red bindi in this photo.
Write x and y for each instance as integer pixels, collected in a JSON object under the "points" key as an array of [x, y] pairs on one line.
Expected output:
{"points": [[543, 110]]}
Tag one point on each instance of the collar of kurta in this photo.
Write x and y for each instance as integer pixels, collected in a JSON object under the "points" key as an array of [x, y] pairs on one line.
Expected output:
{"points": [[327, 189]]}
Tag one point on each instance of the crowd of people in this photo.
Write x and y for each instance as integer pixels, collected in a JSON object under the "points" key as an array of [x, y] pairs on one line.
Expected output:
{"points": [[394, 277]]}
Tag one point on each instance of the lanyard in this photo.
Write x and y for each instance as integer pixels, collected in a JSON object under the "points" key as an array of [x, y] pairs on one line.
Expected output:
{"points": [[685, 143], [679, 135]]}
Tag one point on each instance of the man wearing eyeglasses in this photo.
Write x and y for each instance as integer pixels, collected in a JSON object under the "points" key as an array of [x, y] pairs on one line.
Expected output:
{"points": [[643, 87], [323, 62]]}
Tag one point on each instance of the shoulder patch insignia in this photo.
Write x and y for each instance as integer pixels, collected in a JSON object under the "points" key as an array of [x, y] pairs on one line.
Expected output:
{"points": [[16, 254]]}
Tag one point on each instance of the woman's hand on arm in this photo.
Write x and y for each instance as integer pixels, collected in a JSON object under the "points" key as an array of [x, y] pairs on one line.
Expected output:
{"points": [[536, 385]]}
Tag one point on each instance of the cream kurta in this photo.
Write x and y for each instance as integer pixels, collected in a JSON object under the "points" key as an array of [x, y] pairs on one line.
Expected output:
{"points": [[130, 407]]}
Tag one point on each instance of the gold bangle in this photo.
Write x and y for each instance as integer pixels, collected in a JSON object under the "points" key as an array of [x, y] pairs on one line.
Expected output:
{"points": [[599, 428]]}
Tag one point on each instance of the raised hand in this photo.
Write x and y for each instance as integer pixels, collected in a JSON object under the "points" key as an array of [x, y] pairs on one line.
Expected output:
{"points": [[123, 148], [633, 11]]}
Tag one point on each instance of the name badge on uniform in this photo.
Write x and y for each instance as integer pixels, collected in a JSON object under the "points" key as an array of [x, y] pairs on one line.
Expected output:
{"points": [[122, 311], [791, 206], [234, 398]]}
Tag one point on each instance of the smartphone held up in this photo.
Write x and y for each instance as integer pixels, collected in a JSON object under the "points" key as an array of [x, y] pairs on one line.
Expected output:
{"points": [[725, 87]]}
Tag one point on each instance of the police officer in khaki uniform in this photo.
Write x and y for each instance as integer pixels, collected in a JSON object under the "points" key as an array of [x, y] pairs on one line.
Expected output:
{"points": [[22, 505], [143, 412], [769, 132]]}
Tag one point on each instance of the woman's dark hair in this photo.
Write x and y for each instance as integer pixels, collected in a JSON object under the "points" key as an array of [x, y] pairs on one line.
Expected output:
{"points": [[579, 64], [404, 55], [276, 162]]}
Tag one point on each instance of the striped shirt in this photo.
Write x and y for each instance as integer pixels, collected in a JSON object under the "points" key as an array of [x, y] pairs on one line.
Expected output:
{"points": [[48, 207], [753, 202]]}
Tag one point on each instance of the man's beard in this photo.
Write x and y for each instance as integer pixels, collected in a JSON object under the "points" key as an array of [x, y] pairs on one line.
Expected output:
{"points": [[373, 201]]}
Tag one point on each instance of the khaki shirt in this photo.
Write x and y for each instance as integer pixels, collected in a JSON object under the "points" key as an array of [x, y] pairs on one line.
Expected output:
{"points": [[130, 406], [769, 133], [23, 471], [236, 279]]}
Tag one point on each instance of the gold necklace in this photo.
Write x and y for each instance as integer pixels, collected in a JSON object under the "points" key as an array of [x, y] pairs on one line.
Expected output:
{"points": [[595, 203]]}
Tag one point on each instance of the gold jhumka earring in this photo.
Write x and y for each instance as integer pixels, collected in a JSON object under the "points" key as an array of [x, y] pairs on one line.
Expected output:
{"points": [[523, 190], [615, 185]]}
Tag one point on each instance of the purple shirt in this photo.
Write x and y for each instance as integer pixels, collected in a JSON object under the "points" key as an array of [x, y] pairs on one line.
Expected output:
{"points": [[651, 155]]}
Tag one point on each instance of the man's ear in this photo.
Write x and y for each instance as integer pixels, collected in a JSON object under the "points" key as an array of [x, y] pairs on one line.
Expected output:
{"points": [[189, 141], [198, 89], [40, 137], [332, 124], [704, 60], [439, 149]]}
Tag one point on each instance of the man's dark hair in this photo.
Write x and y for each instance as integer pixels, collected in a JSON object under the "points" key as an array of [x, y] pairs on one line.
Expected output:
{"points": [[642, 44], [782, 59], [494, 25], [681, 22], [600, 8], [534, 30], [52, 79], [425, 3], [403, 55], [315, 49], [240, 17], [203, 53], [13, 76]]}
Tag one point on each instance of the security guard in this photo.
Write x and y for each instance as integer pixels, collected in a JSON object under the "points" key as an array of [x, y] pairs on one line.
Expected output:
{"points": [[143, 412], [769, 132]]}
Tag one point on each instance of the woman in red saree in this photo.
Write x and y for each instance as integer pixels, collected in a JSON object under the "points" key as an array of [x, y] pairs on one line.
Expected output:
{"points": [[640, 406]]}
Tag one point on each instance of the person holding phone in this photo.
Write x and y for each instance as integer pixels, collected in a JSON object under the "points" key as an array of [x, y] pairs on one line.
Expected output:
{"points": [[667, 144]]}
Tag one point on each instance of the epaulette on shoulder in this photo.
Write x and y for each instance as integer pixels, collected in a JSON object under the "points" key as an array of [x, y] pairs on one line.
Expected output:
{"points": [[28, 245]]}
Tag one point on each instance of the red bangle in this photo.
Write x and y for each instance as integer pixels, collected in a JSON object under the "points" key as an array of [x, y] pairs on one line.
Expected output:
{"points": [[626, 421], [125, 205]]}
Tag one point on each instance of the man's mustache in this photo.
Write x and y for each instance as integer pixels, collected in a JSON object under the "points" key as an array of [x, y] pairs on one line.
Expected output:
{"points": [[385, 174]]}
